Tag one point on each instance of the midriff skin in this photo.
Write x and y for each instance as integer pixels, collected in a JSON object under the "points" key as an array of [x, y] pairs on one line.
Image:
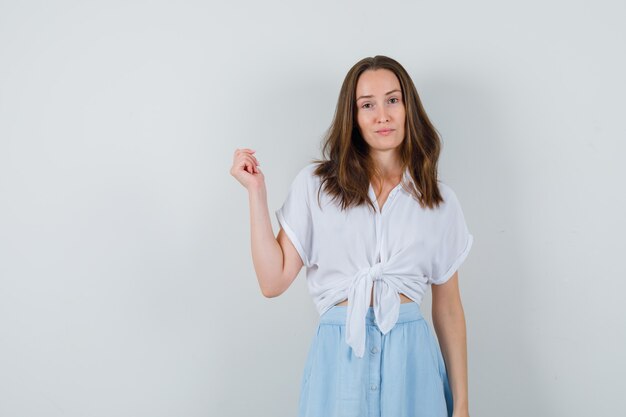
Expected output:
{"points": [[403, 299]]}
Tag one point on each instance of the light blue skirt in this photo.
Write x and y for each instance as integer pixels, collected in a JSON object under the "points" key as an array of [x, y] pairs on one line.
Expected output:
{"points": [[402, 373]]}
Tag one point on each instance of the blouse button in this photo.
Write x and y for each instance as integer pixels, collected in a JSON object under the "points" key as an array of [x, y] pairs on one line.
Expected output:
{"points": [[374, 387]]}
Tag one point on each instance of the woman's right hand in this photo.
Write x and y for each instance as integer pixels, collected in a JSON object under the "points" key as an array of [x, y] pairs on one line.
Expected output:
{"points": [[245, 169]]}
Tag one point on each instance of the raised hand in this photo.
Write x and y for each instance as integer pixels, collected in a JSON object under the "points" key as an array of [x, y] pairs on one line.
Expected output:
{"points": [[245, 169]]}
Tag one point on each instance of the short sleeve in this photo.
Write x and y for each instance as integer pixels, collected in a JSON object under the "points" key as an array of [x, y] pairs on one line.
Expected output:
{"points": [[455, 241], [294, 216]]}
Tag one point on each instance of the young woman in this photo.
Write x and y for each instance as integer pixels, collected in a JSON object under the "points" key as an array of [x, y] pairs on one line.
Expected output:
{"points": [[375, 229]]}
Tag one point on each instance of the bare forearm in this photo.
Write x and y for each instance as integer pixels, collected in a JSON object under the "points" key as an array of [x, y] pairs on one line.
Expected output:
{"points": [[267, 255], [449, 323]]}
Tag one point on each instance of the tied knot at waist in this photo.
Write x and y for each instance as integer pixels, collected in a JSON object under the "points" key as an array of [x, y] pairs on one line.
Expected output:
{"points": [[375, 272], [386, 304]]}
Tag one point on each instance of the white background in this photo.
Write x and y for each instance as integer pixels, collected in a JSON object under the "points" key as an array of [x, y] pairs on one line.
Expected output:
{"points": [[126, 280]]}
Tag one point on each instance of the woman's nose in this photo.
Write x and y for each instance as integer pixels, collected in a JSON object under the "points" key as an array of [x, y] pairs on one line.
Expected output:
{"points": [[382, 115]]}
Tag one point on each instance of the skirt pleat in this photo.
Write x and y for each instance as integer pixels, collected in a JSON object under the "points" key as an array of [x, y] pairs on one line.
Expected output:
{"points": [[402, 373]]}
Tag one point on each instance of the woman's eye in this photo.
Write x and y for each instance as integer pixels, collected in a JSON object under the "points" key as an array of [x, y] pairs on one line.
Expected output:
{"points": [[394, 98], [366, 106]]}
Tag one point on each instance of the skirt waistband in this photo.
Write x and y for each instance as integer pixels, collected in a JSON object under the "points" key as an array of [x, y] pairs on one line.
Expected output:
{"points": [[337, 314]]}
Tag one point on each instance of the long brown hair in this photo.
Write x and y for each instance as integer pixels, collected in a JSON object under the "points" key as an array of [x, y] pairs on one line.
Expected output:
{"points": [[347, 167]]}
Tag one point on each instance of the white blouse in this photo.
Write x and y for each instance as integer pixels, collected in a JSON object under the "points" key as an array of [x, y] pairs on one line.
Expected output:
{"points": [[402, 249]]}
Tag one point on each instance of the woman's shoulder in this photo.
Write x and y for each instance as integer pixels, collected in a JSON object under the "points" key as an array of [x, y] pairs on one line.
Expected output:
{"points": [[450, 198], [310, 168], [451, 203], [306, 174], [446, 190]]}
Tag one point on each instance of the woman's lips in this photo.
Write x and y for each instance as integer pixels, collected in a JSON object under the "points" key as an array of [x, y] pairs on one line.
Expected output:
{"points": [[385, 132]]}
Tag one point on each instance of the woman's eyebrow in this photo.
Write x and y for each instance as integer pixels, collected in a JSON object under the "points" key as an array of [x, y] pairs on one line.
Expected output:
{"points": [[370, 96]]}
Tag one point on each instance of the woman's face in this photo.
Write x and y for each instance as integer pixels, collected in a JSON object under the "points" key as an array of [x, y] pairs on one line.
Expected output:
{"points": [[380, 109]]}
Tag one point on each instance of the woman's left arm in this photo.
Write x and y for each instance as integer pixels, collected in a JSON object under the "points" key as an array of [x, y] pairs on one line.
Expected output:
{"points": [[449, 323]]}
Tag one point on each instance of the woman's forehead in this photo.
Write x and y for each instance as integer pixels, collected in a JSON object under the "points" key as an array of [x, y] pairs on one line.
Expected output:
{"points": [[376, 82]]}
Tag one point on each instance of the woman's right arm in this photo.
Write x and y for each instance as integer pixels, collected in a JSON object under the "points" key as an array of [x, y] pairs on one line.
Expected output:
{"points": [[276, 261]]}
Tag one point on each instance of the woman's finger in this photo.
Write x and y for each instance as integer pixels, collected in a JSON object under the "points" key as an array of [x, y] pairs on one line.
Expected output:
{"points": [[248, 164], [250, 158], [245, 150]]}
